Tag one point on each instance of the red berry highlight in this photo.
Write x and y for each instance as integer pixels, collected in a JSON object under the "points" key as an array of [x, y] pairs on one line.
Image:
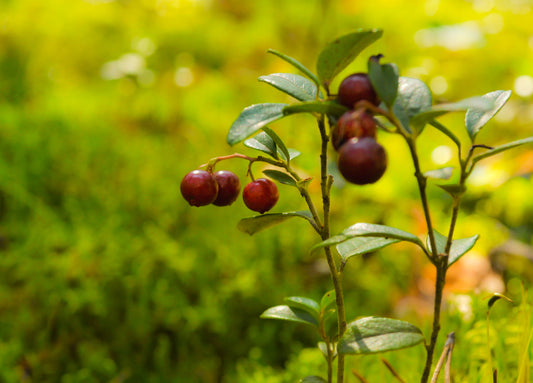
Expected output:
{"points": [[353, 124], [199, 188], [260, 195]]}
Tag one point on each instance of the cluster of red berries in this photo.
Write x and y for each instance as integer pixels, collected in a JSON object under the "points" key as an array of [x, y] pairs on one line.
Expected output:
{"points": [[362, 160], [201, 187]]}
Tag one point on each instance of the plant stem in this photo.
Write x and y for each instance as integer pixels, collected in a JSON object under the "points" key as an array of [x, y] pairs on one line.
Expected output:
{"points": [[336, 277]]}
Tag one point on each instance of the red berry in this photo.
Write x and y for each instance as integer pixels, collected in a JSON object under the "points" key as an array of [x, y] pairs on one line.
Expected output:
{"points": [[362, 161], [260, 195], [199, 188], [352, 124], [354, 88], [229, 187]]}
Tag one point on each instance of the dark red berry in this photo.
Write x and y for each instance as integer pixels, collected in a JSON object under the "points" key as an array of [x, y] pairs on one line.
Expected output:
{"points": [[199, 188], [229, 187], [352, 124], [362, 160], [260, 195], [354, 88]]}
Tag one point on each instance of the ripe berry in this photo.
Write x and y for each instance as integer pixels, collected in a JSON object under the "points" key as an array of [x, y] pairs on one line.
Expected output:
{"points": [[229, 187], [362, 160], [260, 195], [199, 188], [352, 124], [354, 88]]}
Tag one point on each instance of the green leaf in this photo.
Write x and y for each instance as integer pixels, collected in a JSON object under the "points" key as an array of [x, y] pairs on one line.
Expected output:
{"points": [[252, 119], [477, 118], [287, 313], [293, 84], [499, 149], [338, 54], [440, 174], [453, 190], [281, 177], [369, 230], [282, 149], [263, 143], [477, 103], [362, 245], [373, 335], [446, 131], [313, 379], [255, 224], [293, 153], [306, 304], [322, 107], [495, 298], [413, 97], [459, 246], [323, 347], [327, 300], [384, 79], [295, 63]]}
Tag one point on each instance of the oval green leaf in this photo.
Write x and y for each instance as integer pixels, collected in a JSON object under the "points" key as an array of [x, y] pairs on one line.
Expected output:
{"points": [[255, 224], [374, 335], [476, 118], [292, 84], [322, 107], [384, 79], [281, 177], [313, 379], [338, 54], [306, 304], [459, 246], [252, 119], [263, 143], [327, 300], [282, 149], [502, 148], [292, 314], [453, 190], [413, 97], [362, 245], [295, 63]]}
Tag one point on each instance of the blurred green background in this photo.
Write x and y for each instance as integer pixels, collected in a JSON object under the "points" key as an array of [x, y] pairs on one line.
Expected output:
{"points": [[107, 275]]}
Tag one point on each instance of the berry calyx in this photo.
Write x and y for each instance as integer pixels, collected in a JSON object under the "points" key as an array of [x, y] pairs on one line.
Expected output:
{"points": [[362, 160], [229, 187], [260, 195], [199, 188], [353, 124], [354, 88]]}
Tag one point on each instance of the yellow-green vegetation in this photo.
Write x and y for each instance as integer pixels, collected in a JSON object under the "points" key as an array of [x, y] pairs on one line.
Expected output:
{"points": [[107, 275]]}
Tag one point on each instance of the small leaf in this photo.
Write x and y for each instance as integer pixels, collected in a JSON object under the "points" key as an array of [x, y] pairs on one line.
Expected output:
{"points": [[362, 245], [477, 118], [303, 303], [338, 54], [496, 297], [327, 300], [293, 153], [447, 132], [280, 144], [413, 97], [453, 189], [373, 335], [440, 174], [479, 103], [313, 379], [369, 230], [263, 143], [255, 224], [459, 246], [295, 63], [289, 314], [252, 119], [281, 177], [322, 107], [293, 84], [499, 149], [384, 79]]}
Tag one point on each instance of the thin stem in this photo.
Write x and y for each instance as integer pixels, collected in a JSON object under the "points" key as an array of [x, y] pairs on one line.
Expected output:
{"points": [[336, 277]]}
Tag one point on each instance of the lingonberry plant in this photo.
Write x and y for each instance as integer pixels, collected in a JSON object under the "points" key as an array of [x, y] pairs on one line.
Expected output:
{"points": [[348, 117]]}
